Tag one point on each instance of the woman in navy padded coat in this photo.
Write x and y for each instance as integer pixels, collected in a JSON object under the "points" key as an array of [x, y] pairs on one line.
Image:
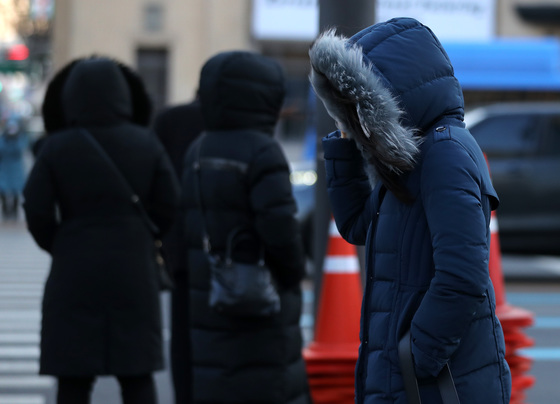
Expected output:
{"points": [[408, 181]]}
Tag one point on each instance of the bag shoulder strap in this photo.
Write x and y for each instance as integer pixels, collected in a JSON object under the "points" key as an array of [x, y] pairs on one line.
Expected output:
{"points": [[198, 194], [134, 198], [444, 379], [220, 163]]}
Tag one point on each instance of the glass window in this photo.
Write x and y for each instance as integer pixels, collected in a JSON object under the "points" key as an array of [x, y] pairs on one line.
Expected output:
{"points": [[152, 65], [507, 135]]}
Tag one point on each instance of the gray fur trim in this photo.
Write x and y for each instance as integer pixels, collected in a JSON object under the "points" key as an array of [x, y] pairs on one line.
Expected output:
{"points": [[336, 64]]}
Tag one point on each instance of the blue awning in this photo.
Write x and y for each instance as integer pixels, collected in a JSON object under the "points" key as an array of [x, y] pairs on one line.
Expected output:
{"points": [[507, 64]]}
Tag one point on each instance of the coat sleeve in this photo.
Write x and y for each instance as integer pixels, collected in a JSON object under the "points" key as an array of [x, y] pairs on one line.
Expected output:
{"points": [[40, 204], [164, 195], [453, 203], [274, 207], [349, 190]]}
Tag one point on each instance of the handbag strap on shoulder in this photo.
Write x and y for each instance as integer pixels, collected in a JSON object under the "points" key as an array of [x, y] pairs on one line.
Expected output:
{"points": [[206, 246], [134, 198], [198, 194]]}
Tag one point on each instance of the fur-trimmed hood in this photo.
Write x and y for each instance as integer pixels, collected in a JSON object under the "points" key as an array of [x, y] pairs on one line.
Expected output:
{"points": [[385, 86]]}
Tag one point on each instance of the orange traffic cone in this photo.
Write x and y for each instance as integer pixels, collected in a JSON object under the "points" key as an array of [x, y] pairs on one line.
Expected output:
{"points": [[512, 319], [511, 315], [331, 356]]}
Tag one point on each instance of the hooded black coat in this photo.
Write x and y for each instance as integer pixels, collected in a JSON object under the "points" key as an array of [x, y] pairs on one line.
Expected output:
{"points": [[101, 305], [244, 182], [176, 128]]}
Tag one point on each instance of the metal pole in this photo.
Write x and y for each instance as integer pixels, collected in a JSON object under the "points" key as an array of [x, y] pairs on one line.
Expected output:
{"points": [[348, 17]]}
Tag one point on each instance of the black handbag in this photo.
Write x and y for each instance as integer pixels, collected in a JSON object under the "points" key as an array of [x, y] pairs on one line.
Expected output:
{"points": [[241, 289], [444, 380], [165, 278], [236, 288]]}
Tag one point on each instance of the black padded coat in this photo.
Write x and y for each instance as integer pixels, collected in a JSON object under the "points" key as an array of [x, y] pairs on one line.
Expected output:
{"points": [[101, 305], [244, 182]]}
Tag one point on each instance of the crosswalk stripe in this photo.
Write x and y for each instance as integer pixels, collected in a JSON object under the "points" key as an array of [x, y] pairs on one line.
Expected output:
{"points": [[23, 278], [22, 399], [13, 367], [7, 270], [28, 382], [24, 269], [19, 315], [19, 326], [21, 293], [19, 352], [21, 286], [15, 259], [33, 303], [23, 315], [19, 338]]}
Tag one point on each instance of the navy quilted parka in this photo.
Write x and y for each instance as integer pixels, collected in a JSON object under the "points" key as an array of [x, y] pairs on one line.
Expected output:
{"points": [[408, 181]]}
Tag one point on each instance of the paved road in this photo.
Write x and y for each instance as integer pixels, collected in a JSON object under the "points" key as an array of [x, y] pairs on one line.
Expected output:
{"points": [[531, 283], [23, 270], [543, 300]]}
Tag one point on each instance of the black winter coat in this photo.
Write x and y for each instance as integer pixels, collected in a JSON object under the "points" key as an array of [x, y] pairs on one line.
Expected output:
{"points": [[244, 182], [101, 305], [176, 128]]}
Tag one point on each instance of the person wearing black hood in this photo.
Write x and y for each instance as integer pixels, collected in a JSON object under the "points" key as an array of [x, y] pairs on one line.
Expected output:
{"points": [[176, 127], [101, 310], [244, 181]]}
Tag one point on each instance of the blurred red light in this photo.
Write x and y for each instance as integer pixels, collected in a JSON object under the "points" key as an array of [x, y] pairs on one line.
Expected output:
{"points": [[18, 52]]}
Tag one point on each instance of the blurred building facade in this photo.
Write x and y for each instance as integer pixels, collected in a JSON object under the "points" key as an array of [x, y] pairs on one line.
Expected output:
{"points": [[167, 41], [8, 21]]}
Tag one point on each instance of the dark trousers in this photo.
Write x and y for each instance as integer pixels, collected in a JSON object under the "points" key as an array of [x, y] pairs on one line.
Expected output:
{"points": [[10, 205], [181, 340], [134, 389]]}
